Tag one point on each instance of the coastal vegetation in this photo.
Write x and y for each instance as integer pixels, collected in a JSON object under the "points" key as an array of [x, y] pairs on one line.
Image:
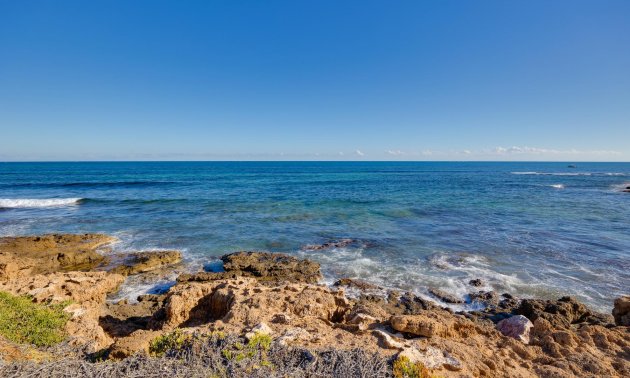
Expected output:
{"points": [[25, 322]]}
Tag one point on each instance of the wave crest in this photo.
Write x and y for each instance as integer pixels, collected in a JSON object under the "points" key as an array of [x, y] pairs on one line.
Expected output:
{"points": [[13, 203]]}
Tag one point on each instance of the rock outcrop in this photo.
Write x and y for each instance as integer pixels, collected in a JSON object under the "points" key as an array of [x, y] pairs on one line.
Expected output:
{"points": [[142, 262], [278, 295], [264, 266], [621, 311], [26, 255]]}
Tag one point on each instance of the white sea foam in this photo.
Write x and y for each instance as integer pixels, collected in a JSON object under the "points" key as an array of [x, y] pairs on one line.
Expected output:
{"points": [[557, 186], [553, 173], [32, 202]]}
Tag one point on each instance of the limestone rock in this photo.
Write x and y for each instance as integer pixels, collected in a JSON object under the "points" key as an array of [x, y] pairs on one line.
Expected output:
{"points": [[487, 298], [420, 325], [561, 313], [142, 262], [621, 311], [444, 296], [517, 327], [78, 287], [291, 335], [276, 267], [355, 284], [389, 341], [52, 253], [432, 358], [137, 342]]}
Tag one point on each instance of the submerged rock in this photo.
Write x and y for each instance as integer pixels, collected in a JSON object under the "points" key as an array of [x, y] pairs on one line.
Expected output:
{"points": [[516, 327], [477, 282], [621, 311], [329, 245], [444, 296]]}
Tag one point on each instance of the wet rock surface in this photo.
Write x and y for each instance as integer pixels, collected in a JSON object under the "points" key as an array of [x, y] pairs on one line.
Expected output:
{"points": [[355, 284], [330, 245], [264, 266], [142, 262], [561, 313], [444, 296], [621, 311]]}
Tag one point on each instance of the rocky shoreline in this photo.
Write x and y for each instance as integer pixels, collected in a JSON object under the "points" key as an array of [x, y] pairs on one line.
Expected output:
{"points": [[278, 295]]}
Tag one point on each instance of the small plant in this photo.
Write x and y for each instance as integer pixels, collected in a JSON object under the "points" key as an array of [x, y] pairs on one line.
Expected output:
{"points": [[404, 368], [171, 341], [260, 340], [25, 322]]}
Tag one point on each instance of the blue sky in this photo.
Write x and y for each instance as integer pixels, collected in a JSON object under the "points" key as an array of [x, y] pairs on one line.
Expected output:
{"points": [[315, 80]]}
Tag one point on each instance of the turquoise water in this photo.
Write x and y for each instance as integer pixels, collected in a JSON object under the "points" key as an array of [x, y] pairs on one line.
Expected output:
{"points": [[532, 229]]}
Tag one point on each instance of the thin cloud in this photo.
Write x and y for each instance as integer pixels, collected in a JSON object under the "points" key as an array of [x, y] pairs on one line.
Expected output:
{"points": [[359, 153]]}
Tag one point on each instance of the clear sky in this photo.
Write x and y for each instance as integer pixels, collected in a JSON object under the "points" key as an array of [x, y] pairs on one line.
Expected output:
{"points": [[315, 80]]}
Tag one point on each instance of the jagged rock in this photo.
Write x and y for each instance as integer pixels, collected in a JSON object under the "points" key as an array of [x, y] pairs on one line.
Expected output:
{"points": [[291, 335], [389, 341], [621, 311], [122, 318], [281, 319], [137, 342], [329, 245], [51, 253], [207, 276], [142, 262], [362, 321], [356, 284], [517, 327], [420, 325], [245, 302], [275, 267], [432, 358], [476, 282], [561, 313], [488, 298], [396, 304], [444, 296], [78, 287]]}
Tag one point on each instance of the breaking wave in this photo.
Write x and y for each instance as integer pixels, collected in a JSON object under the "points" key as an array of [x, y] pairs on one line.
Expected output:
{"points": [[12, 203]]}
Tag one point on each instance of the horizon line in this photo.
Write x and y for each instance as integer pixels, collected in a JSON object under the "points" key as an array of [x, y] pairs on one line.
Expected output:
{"points": [[309, 161]]}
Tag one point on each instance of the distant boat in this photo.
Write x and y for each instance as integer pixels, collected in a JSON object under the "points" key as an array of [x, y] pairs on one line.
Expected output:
{"points": [[572, 166]]}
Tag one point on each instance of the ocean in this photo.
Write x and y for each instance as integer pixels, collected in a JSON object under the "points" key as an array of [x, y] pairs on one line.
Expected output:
{"points": [[530, 229]]}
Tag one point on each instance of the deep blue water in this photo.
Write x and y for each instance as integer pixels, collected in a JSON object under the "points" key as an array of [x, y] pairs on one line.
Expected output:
{"points": [[540, 229]]}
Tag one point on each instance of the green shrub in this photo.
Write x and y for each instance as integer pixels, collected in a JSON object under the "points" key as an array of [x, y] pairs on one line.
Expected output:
{"points": [[404, 368], [25, 322], [171, 341]]}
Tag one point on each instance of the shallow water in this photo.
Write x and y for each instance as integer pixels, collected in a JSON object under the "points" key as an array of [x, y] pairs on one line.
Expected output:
{"points": [[532, 229]]}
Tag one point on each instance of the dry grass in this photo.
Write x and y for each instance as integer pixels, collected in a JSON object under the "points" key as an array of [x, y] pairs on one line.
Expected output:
{"points": [[215, 356]]}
